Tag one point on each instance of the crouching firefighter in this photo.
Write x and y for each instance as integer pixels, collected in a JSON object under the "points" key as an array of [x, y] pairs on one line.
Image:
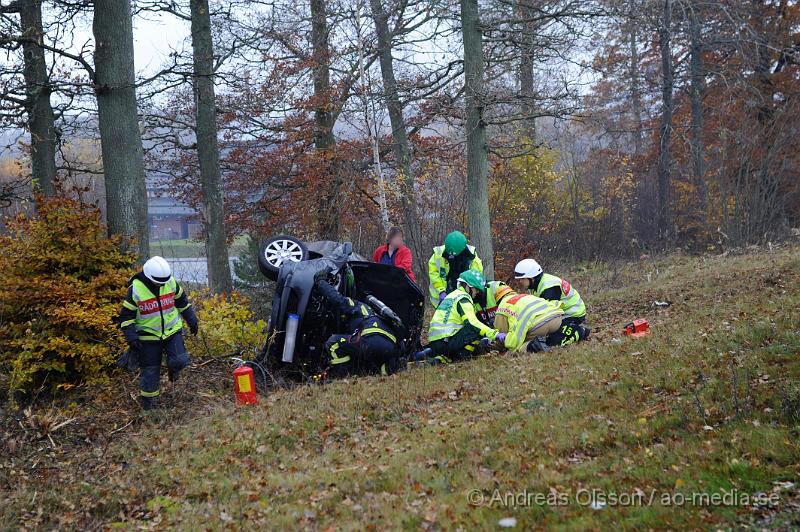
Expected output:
{"points": [[532, 278], [526, 318], [455, 330], [152, 317], [367, 341]]}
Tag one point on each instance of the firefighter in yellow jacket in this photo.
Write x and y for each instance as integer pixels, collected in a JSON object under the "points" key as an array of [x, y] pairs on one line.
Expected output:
{"points": [[448, 262], [525, 318], [455, 331], [152, 317], [530, 275]]}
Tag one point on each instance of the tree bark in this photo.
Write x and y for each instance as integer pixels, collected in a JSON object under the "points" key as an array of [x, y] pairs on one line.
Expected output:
{"points": [[526, 86], [121, 142], [324, 140], [664, 156], [400, 144], [698, 87], [41, 119], [477, 146], [219, 271], [636, 96]]}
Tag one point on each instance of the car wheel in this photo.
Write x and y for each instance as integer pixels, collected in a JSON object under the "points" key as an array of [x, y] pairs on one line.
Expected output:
{"points": [[277, 250]]}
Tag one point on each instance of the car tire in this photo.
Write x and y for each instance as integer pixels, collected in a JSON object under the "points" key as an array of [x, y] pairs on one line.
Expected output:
{"points": [[276, 251]]}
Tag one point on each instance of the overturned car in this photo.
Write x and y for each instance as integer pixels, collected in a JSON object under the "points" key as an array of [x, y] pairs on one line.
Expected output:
{"points": [[301, 321]]}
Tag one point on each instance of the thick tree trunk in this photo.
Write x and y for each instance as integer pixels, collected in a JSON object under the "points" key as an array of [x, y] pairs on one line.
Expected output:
{"points": [[41, 120], [636, 96], [123, 157], [219, 270], [526, 87], [324, 140], [664, 156], [698, 87], [400, 144], [477, 146]]}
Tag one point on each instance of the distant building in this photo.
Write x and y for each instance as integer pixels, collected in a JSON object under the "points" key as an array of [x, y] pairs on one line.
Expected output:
{"points": [[169, 218]]}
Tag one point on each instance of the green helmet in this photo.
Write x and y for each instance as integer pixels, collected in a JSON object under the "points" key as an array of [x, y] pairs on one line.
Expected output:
{"points": [[473, 278], [455, 243]]}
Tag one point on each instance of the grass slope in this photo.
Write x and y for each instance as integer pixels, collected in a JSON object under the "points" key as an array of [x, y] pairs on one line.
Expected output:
{"points": [[707, 404]]}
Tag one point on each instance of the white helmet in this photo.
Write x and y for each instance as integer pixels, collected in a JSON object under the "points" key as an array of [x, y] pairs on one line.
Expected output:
{"points": [[157, 270], [527, 269]]}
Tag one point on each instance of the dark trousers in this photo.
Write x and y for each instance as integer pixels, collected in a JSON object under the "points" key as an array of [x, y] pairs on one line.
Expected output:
{"points": [[150, 361], [570, 332], [355, 353], [461, 344]]}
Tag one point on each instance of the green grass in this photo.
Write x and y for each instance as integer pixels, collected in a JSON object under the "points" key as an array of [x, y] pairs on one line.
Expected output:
{"points": [[188, 248], [696, 408]]}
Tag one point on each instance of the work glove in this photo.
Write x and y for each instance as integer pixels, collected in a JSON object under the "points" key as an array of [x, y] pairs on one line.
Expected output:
{"points": [[135, 345], [129, 360], [191, 320], [442, 295]]}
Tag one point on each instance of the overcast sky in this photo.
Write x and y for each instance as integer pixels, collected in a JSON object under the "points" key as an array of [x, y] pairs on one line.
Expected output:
{"points": [[154, 37]]}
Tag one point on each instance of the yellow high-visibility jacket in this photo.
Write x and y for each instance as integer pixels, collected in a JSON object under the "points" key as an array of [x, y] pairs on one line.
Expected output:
{"points": [[439, 267]]}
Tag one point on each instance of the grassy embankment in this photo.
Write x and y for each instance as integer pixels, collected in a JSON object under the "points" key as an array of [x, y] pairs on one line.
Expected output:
{"points": [[188, 248], [707, 404]]}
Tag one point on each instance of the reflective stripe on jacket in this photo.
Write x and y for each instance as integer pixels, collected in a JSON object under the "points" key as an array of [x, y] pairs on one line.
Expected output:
{"points": [[495, 290], [571, 302], [524, 312], [450, 316], [157, 317], [439, 267]]}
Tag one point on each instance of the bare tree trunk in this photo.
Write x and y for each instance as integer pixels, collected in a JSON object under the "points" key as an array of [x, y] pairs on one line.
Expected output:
{"points": [[526, 86], [400, 144], [477, 146], [219, 270], [324, 140], [123, 158], [698, 86], [369, 121], [664, 156], [636, 96], [41, 120]]}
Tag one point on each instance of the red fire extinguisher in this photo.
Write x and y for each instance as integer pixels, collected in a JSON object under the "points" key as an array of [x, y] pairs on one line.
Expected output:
{"points": [[244, 385]]}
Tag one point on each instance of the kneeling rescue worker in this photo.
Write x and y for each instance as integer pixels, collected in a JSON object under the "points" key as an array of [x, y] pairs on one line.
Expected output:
{"points": [[553, 288], [525, 318], [455, 330], [152, 317], [367, 341], [448, 262]]}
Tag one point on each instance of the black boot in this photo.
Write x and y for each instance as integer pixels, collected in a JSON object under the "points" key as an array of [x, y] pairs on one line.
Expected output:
{"points": [[585, 332], [423, 355], [173, 374], [537, 346], [148, 403]]}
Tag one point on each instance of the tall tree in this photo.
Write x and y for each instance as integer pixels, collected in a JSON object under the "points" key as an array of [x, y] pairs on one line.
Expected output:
{"points": [[697, 90], [633, 72], [38, 88], [41, 118], [219, 271], [667, 107], [477, 144], [526, 82], [121, 142], [324, 139], [400, 144]]}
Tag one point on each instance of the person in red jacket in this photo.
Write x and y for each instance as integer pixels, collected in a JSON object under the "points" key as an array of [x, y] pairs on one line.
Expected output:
{"points": [[395, 252]]}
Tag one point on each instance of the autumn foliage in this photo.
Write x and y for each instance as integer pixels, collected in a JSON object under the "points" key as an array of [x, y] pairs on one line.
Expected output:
{"points": [[62, 282], [228, 326]]}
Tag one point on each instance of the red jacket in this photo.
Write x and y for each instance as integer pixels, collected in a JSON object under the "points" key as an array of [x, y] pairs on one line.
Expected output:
{"points": [[401, 258]]}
